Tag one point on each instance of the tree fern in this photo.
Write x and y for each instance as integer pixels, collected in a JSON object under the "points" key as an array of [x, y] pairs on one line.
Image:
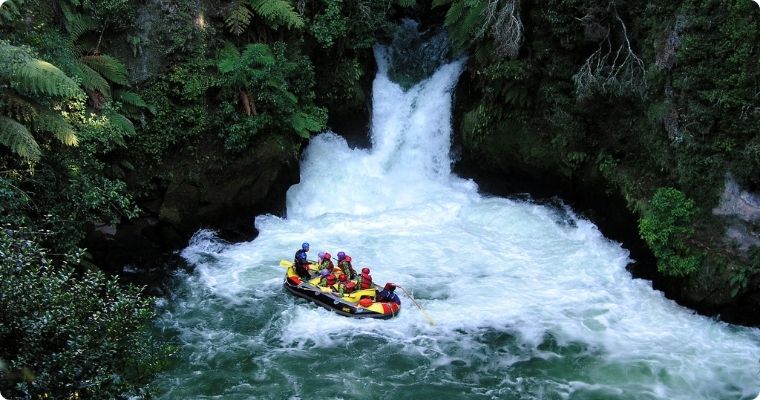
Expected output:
{"points": [[258, 54], [18, 138], [17, 107], [107, 66], [304, 123], [277, 12], [131, 98], [121, 123], [238, 18], [229, 59], [76, 25], [464, 19], [92, 80], [53, 123], [9, 10], [33, 76]]}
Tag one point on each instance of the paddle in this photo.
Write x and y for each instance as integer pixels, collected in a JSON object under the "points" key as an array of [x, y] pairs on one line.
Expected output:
{"points": [[288, 264], [418, 306]]}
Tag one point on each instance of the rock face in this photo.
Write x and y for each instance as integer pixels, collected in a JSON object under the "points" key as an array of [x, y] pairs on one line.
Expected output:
{"points": [[742, 211], [200, 195]]}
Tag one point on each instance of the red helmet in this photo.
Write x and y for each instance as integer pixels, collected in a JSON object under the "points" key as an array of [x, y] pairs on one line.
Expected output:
{"points": [[390, 286], [348, 258], [327, 255], [330, 279], [342, 277], [350, 285], [365, 270]]}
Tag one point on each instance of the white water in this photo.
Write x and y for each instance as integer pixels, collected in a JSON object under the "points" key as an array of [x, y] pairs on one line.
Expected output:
{"points": [[529, 301]]}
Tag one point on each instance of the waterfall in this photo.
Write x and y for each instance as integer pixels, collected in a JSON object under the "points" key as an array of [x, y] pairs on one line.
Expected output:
{"points": [[530, 302]]}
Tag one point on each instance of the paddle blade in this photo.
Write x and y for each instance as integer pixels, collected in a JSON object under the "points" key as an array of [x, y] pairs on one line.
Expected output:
{"points": [[286, 263]]}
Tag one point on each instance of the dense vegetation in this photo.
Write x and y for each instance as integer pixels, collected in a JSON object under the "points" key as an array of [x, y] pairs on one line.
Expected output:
{"points": [[115, 111]]}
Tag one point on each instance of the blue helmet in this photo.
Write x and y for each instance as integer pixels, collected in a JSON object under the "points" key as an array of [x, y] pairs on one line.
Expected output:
{"points": [[305, 245], [341, 256]]}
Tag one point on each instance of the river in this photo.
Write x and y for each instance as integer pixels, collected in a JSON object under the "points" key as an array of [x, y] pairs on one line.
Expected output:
{"points": [[528, 301]]}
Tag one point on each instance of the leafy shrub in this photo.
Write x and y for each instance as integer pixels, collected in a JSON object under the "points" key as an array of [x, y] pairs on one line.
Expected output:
{"points": [[65, 334], [666, 225]]}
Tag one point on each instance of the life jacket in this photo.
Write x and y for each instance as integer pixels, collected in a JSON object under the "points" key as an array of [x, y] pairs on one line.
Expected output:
{"points": [[298, 260], [327, 264], [365, 280], [350, 286], [347, 269]]}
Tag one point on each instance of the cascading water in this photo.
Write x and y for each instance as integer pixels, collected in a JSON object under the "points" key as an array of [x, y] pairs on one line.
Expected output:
{"points": [[529, 302]]}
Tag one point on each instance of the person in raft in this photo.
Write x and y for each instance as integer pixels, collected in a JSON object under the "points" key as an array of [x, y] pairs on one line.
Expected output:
{"points": [[344, 285], [387, 295], [300, 264], [344, 263], [326, 265], [365, 279], [328, 281]]}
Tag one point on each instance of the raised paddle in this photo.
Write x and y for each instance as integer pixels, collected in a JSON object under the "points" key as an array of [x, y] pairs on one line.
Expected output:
{"points": [[418, 306], [288, 264]]}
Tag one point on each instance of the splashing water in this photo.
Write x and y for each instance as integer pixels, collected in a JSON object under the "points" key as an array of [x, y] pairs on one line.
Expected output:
{"points": [[530, 302]]}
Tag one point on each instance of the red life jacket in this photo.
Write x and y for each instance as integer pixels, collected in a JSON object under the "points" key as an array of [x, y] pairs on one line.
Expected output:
{"points": [[366, 281]]}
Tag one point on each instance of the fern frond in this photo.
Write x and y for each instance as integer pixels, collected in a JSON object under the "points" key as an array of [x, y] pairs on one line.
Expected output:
{"points": [[130, 98], [76, 24], [454, 13], [9, 10], [55, 124], [463, 20], [229, 57], [33, 76], [92, 80], [238, 19], [258, 54], [305, 123], [122, 123], [16, 137], [438, 3], [278, 12], [17, 107], [107, 66]]}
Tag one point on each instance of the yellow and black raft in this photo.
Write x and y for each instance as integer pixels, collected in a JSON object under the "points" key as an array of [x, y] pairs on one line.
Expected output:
{"points": [[362, 303]]}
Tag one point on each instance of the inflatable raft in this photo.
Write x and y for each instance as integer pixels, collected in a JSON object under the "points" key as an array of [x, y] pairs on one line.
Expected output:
{"points": [[358, 304]]}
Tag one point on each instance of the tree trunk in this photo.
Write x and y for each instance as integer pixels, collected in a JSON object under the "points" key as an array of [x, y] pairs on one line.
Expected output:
{"points": [[248, 104]]}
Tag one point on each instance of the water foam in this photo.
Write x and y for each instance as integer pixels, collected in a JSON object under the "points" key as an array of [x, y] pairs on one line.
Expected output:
{"points": [[529, 301]]}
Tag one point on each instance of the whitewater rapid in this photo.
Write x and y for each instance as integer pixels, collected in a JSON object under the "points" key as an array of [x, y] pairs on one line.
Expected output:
{"points": [[529, 301]]}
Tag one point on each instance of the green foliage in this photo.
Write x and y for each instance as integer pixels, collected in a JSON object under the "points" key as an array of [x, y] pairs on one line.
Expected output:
{"points": [[275, 93], [29, 91], [68, 335], [666, 226], [277, 13], [464, 19], [330, 24], [108, 67], [32, 76], [238, 18], [9, 10], [16, 137]]}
